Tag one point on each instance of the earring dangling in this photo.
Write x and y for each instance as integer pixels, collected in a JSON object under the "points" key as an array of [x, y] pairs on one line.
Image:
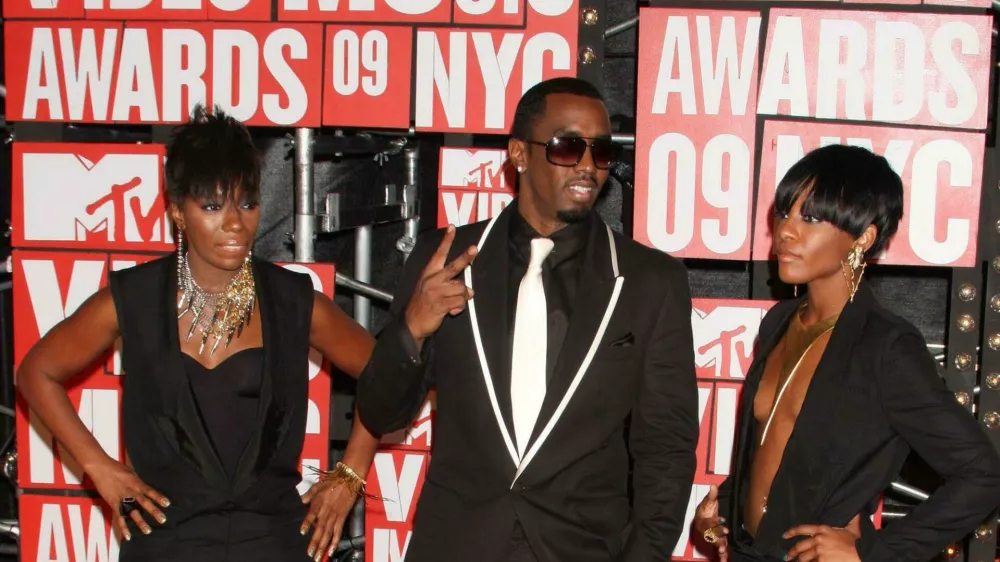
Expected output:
{"points": [[855, 262], [180, 252], [795, 289]]}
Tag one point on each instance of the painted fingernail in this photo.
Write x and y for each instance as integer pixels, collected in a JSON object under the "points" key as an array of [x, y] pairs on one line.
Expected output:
{"points": [[303, 530], [165, 502], [332, 550], [146, 529], [128, 536], [312, 549], [161, 518], [722, 520], [318, 557]]}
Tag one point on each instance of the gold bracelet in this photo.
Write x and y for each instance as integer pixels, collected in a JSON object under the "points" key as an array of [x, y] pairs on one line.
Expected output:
{"points": [[346, 475]]}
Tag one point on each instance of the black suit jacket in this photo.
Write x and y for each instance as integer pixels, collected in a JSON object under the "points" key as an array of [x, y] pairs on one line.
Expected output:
{"points": [[571, 492], [875, 395]]}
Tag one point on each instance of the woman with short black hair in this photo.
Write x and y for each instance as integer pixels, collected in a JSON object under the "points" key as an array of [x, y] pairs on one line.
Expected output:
{"points": [[840, 391]]}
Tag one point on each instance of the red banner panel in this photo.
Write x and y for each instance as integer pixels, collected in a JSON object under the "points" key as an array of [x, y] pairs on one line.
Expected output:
{"points": [[725, 332], [472, 185], [89, 196], [420, 435], [398, 477], [154, 73], [367, 67], [477, 12], [42, 9], [187, 10], [942, 179], [695, 137], [469, 80], [893, 67], [147, 9], [67, 529]]}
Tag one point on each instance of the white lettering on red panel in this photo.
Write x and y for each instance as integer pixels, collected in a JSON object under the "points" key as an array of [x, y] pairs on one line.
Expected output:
{"points": [[66, 529], [724, 334], [473, 185], [110, 197], [470, 80], [914, 68], [941, 173], [367, 67], [696, 129], [398, 477], [460, 12], [156, 72]]}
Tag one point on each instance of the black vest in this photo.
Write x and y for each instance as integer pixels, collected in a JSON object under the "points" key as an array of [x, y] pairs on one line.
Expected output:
{"points": [[166, 441]]}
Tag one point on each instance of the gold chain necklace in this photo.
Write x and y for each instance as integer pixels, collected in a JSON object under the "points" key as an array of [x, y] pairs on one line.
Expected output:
{"points": [[799, 339], [220, 315]]}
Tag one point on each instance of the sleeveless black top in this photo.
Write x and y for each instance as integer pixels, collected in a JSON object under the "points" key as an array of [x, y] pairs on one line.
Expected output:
{"points": [[233, 497]]}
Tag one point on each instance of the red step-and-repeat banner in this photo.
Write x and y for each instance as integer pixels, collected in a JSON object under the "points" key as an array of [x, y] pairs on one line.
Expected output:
{"points": [[728, 100]]}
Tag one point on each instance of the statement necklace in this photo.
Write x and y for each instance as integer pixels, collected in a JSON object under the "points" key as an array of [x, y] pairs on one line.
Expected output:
{"points": [[220, 315]]}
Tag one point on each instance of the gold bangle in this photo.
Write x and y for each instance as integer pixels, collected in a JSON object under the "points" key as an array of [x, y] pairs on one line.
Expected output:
{"points": [[347, 476]]}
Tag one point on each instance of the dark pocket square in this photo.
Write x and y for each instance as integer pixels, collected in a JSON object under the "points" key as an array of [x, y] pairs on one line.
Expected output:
{"points": [[624, 341]]}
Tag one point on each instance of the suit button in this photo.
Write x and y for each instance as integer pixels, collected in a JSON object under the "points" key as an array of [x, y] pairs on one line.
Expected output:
{"points": [[520, 487]]}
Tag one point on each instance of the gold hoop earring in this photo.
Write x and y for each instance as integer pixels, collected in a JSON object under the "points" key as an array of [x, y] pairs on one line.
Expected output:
{"points": [[854, 269]]}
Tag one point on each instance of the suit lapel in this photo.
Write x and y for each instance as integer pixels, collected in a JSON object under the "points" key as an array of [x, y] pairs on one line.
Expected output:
{"points": [[488, 315], [190, 436]]}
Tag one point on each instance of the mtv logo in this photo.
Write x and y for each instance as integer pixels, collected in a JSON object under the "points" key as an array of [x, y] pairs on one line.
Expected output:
{"points": [[90, 196], [473, 168], [725, 333]]}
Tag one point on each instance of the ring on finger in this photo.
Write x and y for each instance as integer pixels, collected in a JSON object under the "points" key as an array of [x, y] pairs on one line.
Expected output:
{"points": [[126, 506], [710, 536]]}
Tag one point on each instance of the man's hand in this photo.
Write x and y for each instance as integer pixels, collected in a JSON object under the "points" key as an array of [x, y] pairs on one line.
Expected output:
{"points": [[706, 517], [438, 293], [825, 543]]}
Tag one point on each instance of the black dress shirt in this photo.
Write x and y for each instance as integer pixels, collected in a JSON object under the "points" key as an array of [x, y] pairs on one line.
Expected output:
{"points": [[560, 272]]}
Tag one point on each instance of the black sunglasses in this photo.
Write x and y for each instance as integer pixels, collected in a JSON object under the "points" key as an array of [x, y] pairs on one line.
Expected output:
{"points": [[568, 151]]}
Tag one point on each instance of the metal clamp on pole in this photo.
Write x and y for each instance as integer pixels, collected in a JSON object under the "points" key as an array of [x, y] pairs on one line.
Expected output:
{"points": [[411, 210]]}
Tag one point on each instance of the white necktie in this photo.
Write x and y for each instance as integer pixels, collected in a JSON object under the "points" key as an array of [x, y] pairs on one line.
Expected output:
{"points": [[527, 374]]}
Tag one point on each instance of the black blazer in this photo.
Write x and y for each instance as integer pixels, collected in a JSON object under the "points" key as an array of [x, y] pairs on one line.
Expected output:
{"points": [[257, 514], [875, 395], [571, 492]]}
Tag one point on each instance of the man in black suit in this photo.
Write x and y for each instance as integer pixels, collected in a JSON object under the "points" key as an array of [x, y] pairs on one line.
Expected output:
{"points": [[542, 331]]}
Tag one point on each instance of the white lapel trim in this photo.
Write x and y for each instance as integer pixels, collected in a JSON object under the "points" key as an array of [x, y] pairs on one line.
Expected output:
{"points": [[474, 318], [522, 464], [619, 280]]}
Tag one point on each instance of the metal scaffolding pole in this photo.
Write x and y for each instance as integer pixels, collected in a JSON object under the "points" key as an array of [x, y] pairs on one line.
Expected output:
{"points": [[305, 200], [363, 315]]}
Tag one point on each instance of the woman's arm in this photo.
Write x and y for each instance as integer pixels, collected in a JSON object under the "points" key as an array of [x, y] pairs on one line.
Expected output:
{"points": [[345, 344], [66, 350]]}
